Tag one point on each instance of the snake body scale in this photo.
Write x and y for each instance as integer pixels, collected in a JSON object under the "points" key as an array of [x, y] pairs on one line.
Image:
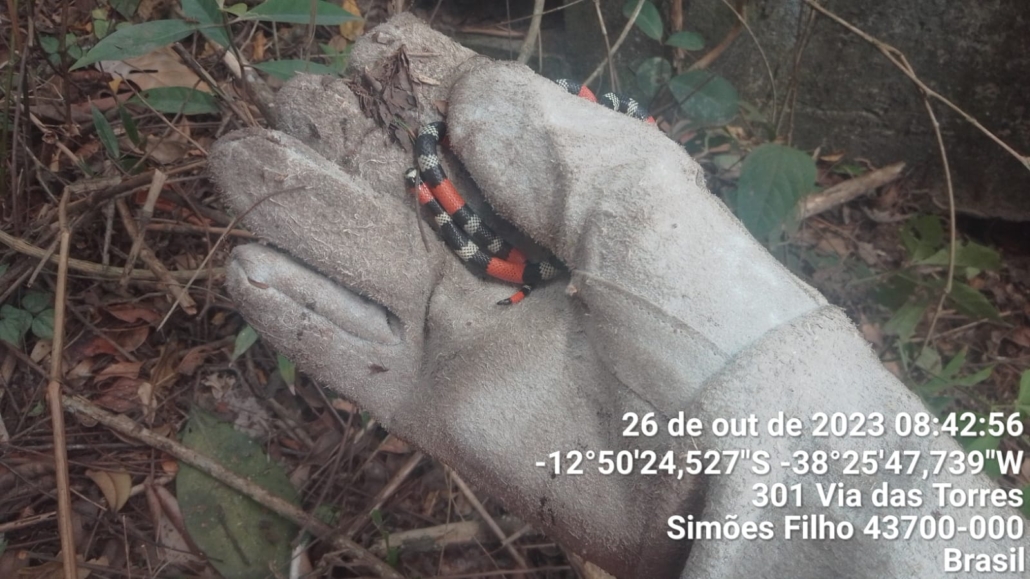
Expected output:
{"points": [[464, 232]]}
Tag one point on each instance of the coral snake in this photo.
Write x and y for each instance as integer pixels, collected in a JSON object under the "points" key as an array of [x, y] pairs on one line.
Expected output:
{"points": [[482, 250]]}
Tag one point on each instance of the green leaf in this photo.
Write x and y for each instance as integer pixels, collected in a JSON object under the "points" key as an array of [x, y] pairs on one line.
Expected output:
{"points": [[3, 268], [849, 169], [129, 124], [377, 517], [904, 321], [686, 40], [43, 325], [51, 45], [337, 58], [127, 8], [922, 236], [649, 21], [971, 302], [287, 369], [176, 99], [894, 292], [299, 12], [285, 69], [976, 378], [105, 133], [967, 255], [245, 540], [726, 161], [1023, 399], [137, 40], [949, 377], [705, 98], [207, 14], [101, 25], [928, 360], [652, 74], [1025, 509], [14, 324], [772, 180], [327, 514], [244, 340], [237, 9], [35, 302]]}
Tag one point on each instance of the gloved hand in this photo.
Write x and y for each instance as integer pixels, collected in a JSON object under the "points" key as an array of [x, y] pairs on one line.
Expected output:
{"points": [[670, 306]]}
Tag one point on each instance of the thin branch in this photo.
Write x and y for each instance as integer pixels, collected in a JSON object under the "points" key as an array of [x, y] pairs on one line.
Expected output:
{"points": [[741, 15], [103, 271], [618, 43], [898, 59], [952, 233], [490, 522], [534, 30], [127, 427], [511, 21], [53, 389], [845, 191], [385, 493], [171, 287], [720, 48], [607, 42]]}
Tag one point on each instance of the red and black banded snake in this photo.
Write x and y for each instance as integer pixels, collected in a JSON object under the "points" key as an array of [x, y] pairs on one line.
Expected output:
{"points": [[482, 250]]}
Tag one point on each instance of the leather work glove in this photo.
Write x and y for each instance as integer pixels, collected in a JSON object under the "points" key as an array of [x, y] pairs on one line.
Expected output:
{"points": [[670, 307]]}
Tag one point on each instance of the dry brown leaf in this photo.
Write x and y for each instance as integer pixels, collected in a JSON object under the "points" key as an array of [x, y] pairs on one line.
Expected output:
{"points": [[122, 396], [160, 68], [895, 368], [1021, 337], [351, 30], [92, 347], [120, 370], [133, 313], [166, 149], [164, 372], [344, 405], [867, 252], [132, 338], [81, 371], [394, 445], [145, 393], [873, 333], [7, 367], [115, 485], [257, 46], [834, 244], [41, 350], [192, 360]]}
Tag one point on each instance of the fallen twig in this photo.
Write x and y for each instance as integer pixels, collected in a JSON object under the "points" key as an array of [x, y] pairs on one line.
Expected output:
{"points": [[104, 271], [53, 390], [174, 290], [845, 191], [490, 522], [127, 427]]}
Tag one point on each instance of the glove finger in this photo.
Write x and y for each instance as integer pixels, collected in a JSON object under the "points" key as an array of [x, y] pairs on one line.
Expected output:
{"points": [[329, 330], [332, 221]]}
